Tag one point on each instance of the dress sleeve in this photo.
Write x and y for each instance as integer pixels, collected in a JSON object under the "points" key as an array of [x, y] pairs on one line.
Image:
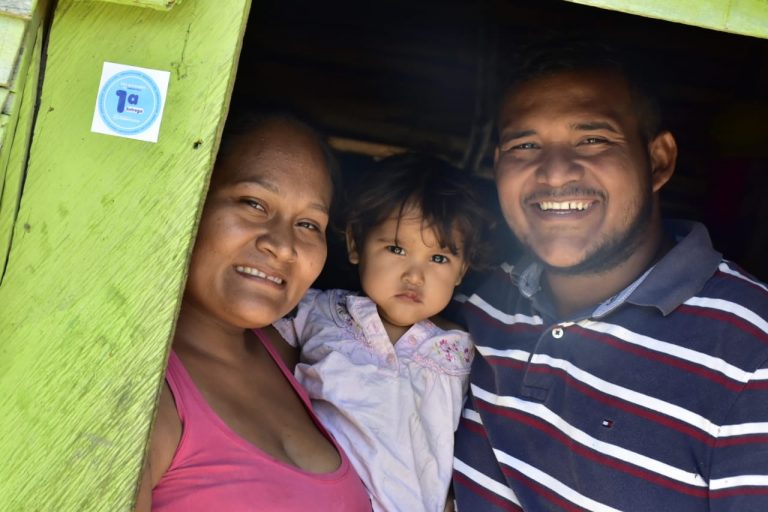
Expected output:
{"points": [[292, 327], [739, 468]]}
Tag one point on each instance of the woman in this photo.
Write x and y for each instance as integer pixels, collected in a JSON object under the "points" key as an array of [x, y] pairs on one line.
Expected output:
{"points": [[233, 429]]}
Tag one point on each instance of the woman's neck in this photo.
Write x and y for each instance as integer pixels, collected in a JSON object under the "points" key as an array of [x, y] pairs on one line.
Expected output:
{"points": [[198, 331]]}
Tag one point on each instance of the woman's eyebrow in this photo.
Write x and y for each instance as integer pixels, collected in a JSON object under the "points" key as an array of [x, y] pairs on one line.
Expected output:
{"points": [[272, 187], [256, 180]]}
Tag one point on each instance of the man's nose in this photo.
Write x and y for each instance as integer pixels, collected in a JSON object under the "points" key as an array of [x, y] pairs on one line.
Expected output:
{"points": [[559, 166]]}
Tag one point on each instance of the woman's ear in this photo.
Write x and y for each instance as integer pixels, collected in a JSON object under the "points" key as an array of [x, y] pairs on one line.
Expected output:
{"points": [[352, 255], [663, 155]]}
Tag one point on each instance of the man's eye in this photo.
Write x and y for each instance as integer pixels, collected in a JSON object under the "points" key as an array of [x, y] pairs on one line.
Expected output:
{"points": [[396, 249], [526, 145], [439, 258], [593, 140]]}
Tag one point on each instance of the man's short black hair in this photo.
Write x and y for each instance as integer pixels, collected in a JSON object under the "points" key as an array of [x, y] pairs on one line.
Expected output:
{"points": [[447, 197], [568, 54]]}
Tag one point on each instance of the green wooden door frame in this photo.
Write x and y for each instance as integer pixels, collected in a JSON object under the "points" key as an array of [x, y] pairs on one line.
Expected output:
{"points": [[102, 239], [746, 17], [100, 249]]}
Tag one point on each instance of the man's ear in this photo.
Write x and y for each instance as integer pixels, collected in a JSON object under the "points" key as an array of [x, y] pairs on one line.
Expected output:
{"points": [[352, 255], [663, 154]]}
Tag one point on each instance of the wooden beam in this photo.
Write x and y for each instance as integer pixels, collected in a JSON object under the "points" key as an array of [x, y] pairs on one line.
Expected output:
{"points": [[747, 17], [162, 5], [100, 250]]}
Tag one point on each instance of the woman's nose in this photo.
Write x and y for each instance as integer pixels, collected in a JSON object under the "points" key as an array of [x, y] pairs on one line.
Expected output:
{"points": [[278, 240]]}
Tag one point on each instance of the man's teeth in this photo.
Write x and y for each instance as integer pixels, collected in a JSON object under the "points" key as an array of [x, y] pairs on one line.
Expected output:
{"points": [[258, 273], [566, 205]]}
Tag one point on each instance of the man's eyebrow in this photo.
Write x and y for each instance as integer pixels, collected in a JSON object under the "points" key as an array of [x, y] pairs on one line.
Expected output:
{"points": [[595, 125], [505, 136]]}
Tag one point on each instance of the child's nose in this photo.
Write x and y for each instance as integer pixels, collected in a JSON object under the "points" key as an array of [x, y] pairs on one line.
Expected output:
{"points": [[414, 275]]}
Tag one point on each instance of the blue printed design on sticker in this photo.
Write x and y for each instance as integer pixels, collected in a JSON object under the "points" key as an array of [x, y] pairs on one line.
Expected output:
{"points": [[129, 102]]}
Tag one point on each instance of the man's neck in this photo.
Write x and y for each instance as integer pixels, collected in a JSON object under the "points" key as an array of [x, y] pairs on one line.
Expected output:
{"points": [[574, 293]]}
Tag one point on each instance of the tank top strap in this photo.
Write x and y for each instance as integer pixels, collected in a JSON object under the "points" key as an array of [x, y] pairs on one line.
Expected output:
{"points": [[182, 387], [264, 339]]}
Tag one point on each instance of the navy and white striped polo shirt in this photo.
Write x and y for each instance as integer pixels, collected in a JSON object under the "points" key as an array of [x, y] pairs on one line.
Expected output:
{"points": [[657, 401]]}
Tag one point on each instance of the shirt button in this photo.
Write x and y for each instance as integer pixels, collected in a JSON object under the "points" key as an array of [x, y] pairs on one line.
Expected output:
{"points": [[557, 333], [390, 359]]}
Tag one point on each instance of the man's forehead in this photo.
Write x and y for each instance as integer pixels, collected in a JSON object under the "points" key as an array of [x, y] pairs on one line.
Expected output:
{"points": [[590, 94]]}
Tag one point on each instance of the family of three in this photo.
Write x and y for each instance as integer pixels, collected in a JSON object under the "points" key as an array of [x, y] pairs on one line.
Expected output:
{"points": [[620, 364]]}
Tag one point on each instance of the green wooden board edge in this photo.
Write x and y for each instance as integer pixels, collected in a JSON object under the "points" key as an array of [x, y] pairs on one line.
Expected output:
{"points": [[163, 5], [100, 249], [746, 17]]}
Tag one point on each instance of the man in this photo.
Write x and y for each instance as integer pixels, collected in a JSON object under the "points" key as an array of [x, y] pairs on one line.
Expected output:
{"points": [[621, 364]]}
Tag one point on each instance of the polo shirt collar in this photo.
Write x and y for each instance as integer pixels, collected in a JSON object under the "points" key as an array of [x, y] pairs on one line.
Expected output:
{"points": [[678, 276]]}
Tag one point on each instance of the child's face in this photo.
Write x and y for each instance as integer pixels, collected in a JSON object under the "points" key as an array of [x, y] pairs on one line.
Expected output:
{"points": [[411, 279]]}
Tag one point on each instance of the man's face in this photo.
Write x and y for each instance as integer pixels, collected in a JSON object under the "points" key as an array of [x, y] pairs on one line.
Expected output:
{"points": [[573, 173]]}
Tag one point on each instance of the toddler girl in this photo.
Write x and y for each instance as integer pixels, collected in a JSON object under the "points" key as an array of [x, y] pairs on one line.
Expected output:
{"points": [[385, 376]]}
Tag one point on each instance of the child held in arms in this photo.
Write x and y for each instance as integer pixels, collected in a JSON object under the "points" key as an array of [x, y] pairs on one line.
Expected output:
{"points": [[386, 376]]}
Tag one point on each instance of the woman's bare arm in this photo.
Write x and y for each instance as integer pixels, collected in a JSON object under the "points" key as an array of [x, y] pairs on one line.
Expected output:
{"points": [[165, 437]]}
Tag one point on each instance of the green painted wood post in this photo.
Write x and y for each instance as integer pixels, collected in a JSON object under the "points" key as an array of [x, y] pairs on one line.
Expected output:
{"points": [[20, 52], [154, 4], [100, 249], [747, 17]]}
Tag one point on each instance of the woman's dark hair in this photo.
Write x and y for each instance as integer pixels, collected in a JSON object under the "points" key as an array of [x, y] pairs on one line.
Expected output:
{"points": [[447, 197], [243, 122]]}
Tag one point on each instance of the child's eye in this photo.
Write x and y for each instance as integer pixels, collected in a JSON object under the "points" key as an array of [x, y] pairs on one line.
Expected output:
{"points": [[439, 258], [396, 249]]}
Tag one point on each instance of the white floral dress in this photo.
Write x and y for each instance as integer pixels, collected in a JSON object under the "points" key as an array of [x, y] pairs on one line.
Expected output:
{"points": [[393, 408]]}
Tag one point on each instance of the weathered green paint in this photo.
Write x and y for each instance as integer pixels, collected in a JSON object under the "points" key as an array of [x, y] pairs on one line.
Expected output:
{"points": [[16, 122], [11, 34], [154, 4], [100, 249], [748, 17], [13, 153], [20, 8]]}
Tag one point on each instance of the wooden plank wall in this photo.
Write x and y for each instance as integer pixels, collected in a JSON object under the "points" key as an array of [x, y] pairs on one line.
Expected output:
{"points": [[20, 47], [99, 253], [747, 17], [154, 4]]}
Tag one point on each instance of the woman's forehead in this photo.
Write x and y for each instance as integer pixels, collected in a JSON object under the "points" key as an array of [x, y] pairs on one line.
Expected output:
{"points": [[273, 148]]}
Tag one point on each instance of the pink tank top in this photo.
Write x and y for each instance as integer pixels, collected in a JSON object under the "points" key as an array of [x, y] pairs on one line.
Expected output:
{"points": [[215, 469]]}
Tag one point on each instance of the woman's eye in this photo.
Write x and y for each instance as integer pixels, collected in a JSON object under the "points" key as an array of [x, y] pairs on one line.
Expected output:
{"points": [[254, 203], [396, 249], [526, 145], [309, 225], [439, 258]]}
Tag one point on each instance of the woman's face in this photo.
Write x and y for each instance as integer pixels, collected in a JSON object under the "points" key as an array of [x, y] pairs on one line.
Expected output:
{"points": [[261, 241]]}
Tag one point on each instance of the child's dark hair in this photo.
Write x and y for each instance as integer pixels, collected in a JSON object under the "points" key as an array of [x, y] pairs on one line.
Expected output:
{"points": [[447, 197]]}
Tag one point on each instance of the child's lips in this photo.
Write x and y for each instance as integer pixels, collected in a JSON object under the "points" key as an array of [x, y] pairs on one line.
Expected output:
{"points": [[409, 296]]}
